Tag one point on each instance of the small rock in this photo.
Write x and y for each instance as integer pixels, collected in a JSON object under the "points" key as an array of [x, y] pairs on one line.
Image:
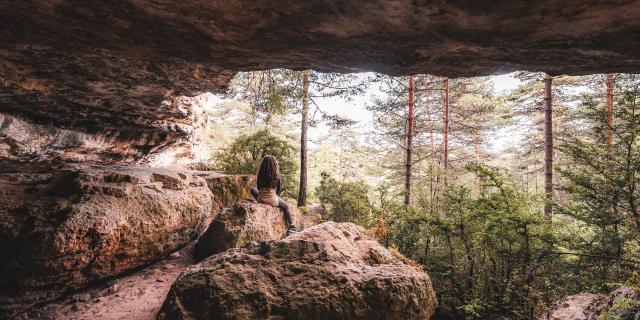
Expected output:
{"points": [[23, 316], [84, 297], [159, 280], [175, 255], [113, 289], [97, 300], [169, 266]]}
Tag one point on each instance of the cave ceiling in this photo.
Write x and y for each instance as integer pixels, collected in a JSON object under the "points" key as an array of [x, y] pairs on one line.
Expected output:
{"points": [[114, 67]]}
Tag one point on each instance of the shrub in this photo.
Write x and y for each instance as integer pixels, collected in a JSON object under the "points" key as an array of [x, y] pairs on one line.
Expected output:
{"points": [[243, 156], [343, 201]]}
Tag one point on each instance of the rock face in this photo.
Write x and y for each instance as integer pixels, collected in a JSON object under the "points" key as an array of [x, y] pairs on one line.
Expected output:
{"points": [[63, 226], [622, 303], [118, 69], [582, 306], [227, 189], [24, 141], [328, 271], [242, 223]]}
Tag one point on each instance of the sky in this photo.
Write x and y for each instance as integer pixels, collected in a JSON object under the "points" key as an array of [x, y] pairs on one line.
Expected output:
{"points": [[356, 110]]}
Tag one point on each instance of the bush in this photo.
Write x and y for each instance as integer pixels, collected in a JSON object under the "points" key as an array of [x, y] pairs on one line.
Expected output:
{"points": [[243, 156], [343, 201]]}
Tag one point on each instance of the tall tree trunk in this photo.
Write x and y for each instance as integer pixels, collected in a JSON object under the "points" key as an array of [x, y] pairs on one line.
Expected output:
{"points": [[432, 171], [609, 112], [407, 174], [548, 148], [302, 191], [476, 152], [446, 128]]}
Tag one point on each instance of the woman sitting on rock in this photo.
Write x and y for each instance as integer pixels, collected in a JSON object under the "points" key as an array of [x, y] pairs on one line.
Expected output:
{"points": [[269, 187]]}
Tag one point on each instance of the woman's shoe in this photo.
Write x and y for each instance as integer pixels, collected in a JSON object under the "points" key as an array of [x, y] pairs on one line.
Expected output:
{"points": [[292, 230]]}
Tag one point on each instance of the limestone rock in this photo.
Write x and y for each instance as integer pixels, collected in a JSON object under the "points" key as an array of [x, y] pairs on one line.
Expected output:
{"points": [[582, 306], [227, 189], [116, 68], [622, 303], [242, 223], [64, 226], [328, 271]]}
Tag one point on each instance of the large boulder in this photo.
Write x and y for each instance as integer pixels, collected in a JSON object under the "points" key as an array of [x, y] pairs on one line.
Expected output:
{"points": [[328, 271], [64, 226], [241, 223]]}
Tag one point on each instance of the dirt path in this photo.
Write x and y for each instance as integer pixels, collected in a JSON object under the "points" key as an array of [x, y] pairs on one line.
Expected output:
{"points": [[136, 296]]}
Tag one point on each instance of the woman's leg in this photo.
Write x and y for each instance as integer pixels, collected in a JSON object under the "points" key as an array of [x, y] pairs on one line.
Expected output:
{"points": [[285, 209], [254, 192]]}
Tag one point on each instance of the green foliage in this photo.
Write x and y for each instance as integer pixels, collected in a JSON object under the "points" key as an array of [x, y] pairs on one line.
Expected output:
{"points": [[620, 310], [246, 152], [343, 201], [477, 230], [483, 249], [601, 182]]}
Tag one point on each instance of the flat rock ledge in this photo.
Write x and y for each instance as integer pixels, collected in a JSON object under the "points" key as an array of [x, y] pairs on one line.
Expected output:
{"points": [[226, 189], [328, 271], [242, 223]]}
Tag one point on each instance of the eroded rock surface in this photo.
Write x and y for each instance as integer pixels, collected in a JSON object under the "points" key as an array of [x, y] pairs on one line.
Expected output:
{"points": [[582, 306], [64, 226], [328, 271], [622, 303], [242, 223], [117, 68], [25, 141], [227, 189]]}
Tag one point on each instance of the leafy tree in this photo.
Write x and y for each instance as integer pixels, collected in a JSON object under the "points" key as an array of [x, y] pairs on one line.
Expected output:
{"points": [[274, 93], [246, 152], [343, 201], [602, 181]]}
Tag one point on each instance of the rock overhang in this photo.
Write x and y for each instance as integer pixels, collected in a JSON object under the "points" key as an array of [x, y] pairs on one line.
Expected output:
{"points": [[115, 68]]}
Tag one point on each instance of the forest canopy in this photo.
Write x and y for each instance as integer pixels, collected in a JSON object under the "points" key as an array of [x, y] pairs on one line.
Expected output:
{"points": [[509, 199]]}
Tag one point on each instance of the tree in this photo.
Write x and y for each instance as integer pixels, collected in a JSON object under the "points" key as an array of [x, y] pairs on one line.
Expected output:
{"points": [[343, 201], [602, 179], [473, 117], [548, 147], [446, 127], [277, 92], [302, 193], [243, 156], [409, 148]]}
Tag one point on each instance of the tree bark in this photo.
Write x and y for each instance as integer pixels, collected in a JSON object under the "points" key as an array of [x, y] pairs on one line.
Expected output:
{"points": [[477, 158], [407, 181], [548, 148], [609, 112], [446, 128], [432, 170], [302, 191]]}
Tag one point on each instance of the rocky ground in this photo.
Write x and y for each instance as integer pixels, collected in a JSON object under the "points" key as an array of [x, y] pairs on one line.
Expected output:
{"points": [[136, 296], [118, 242], [622, 303]]}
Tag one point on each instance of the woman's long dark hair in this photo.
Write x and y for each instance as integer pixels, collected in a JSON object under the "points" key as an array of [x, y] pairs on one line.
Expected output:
{"points": [[268, 173]]}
